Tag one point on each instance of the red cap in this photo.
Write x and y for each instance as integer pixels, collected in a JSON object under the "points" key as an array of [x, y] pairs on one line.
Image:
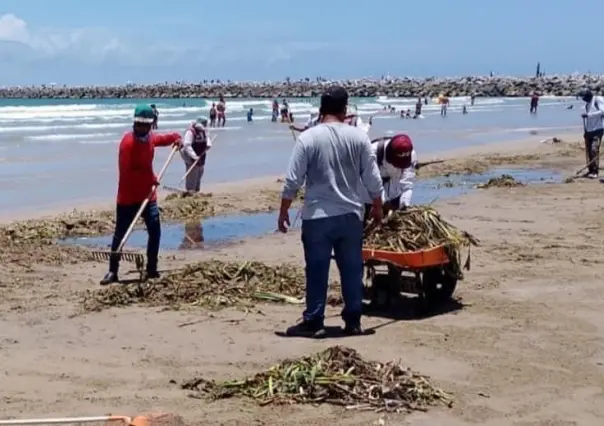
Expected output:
{"points": [[398, 152]]}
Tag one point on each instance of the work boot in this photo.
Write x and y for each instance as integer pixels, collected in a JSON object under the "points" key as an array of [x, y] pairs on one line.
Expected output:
{"points": [[353, 330], [109, 278], [151, 275], [307, 329]]}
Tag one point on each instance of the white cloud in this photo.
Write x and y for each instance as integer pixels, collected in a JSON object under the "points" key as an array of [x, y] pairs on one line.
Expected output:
{"points": [[13, 28], [95, 55]]}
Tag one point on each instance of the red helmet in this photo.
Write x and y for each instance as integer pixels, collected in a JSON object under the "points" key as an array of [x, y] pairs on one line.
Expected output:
{"points": [[398, 151]]}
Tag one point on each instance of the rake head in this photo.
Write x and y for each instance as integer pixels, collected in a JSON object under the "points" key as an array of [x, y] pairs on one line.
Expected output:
{"points": [[137, 258], [173, 189]]}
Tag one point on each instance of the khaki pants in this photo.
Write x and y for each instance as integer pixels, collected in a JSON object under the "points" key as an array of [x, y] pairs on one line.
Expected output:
{"points": [[193, 180], [592, 149]]}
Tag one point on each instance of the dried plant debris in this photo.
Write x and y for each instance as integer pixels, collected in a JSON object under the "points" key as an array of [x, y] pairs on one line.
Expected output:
{"points": [[337, 376], [183, 207], [419, 228], [503, 181], [211, 284], [23, 244]]}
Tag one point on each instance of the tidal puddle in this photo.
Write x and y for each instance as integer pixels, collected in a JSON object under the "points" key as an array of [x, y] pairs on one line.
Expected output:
{"points": [[220, 230]]}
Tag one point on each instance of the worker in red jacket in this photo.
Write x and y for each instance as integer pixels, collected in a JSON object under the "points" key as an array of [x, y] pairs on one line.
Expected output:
{"points": [[136, 179]]}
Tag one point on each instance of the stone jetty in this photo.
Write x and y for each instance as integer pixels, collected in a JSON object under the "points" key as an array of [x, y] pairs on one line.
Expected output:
{"points": [[496, 86]]}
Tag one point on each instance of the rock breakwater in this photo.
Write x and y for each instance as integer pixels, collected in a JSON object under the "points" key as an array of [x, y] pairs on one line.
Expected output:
{"points": [[559, 85]]}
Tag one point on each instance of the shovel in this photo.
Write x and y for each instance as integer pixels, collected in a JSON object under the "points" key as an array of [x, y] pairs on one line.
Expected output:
{"points": [[188, 172], [137, 258]]}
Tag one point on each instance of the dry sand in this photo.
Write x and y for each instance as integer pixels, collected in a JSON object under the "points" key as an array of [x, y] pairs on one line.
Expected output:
{"points": [[525, 348]]}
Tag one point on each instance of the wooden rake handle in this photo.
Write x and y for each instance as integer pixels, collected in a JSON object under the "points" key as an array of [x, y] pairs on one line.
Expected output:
{"points": [[146, 201]]}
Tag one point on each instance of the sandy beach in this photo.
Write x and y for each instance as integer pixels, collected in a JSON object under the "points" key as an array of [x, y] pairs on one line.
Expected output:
{"points": [[523, 346]]}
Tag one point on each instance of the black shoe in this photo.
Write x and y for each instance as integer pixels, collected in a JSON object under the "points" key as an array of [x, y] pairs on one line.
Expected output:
{"points": [[353, 330], [150, 275], [109, 278], [306, 329]]}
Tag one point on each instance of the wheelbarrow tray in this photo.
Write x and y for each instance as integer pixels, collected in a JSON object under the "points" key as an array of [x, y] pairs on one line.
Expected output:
{"points": [[436, 256]]}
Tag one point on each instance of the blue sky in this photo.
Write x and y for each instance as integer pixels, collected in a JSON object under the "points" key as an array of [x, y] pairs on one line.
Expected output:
{"points": [[114, 41]]}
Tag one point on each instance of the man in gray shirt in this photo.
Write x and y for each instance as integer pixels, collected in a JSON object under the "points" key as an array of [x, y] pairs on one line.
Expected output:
{"points": [[336, 162]]}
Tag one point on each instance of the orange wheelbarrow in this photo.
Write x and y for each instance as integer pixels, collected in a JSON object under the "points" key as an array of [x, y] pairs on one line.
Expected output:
{"points": [[426, 273]]}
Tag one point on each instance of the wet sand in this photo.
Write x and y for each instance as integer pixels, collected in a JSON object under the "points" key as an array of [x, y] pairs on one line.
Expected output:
{"points": [[524, 347]]}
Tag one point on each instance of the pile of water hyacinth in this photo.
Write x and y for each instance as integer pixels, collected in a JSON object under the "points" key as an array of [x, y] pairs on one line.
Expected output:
{"points": [[337, 376], [419, 228], [210, 284]]}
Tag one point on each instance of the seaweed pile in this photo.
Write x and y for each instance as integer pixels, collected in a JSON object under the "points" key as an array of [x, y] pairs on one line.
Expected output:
{"points": [[337, 376], [420, 228], [503, 181], [210, 284], [185, 206], [23, 244]]}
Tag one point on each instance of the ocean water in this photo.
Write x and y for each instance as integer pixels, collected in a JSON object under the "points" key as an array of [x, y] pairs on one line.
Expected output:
{"points": [[57, 152]]}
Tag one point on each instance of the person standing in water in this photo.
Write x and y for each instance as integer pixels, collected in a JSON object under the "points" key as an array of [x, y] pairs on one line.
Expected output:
{"points": [[250, 115], [155, 117], [213, 115], [285, 112], [221, 111], [534, 103], [193, 152], [275, 111], [444, 104], [418, 108]]}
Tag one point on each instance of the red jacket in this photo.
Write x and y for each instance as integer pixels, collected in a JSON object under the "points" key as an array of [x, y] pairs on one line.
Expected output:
{"points": [[136, 176]]}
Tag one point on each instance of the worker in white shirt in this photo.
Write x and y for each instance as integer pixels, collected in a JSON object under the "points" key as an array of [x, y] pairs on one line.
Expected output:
{"points": [[194, 149], [397, 162], [593, 122]]}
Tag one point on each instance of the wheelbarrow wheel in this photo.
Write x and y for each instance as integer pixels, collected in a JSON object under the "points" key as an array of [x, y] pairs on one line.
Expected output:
{"points": [[383, 291], [438, 286]]}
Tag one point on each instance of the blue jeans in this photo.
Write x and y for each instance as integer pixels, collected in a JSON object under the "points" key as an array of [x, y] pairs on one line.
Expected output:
{"points": [[124, 214], [344, 235]]}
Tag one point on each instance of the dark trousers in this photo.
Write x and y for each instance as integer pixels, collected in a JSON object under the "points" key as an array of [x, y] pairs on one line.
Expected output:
{"points": [[592, 148], [124, 214], [343, 235]]}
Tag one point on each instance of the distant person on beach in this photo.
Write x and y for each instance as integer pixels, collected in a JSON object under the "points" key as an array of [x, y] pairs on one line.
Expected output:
{"points": [[337, 166], [593, 125], [250, 115], [285, 112], [464, 110], [213, 115], [275, 111], [534, 103], [472, 99], [135, 184], [194, 150], [444, 104], [155, 117], [221, 112], [418, 108]]}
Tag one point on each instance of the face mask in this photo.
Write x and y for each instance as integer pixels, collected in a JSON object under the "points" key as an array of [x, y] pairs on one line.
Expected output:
{"points": [[141, 137]]}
